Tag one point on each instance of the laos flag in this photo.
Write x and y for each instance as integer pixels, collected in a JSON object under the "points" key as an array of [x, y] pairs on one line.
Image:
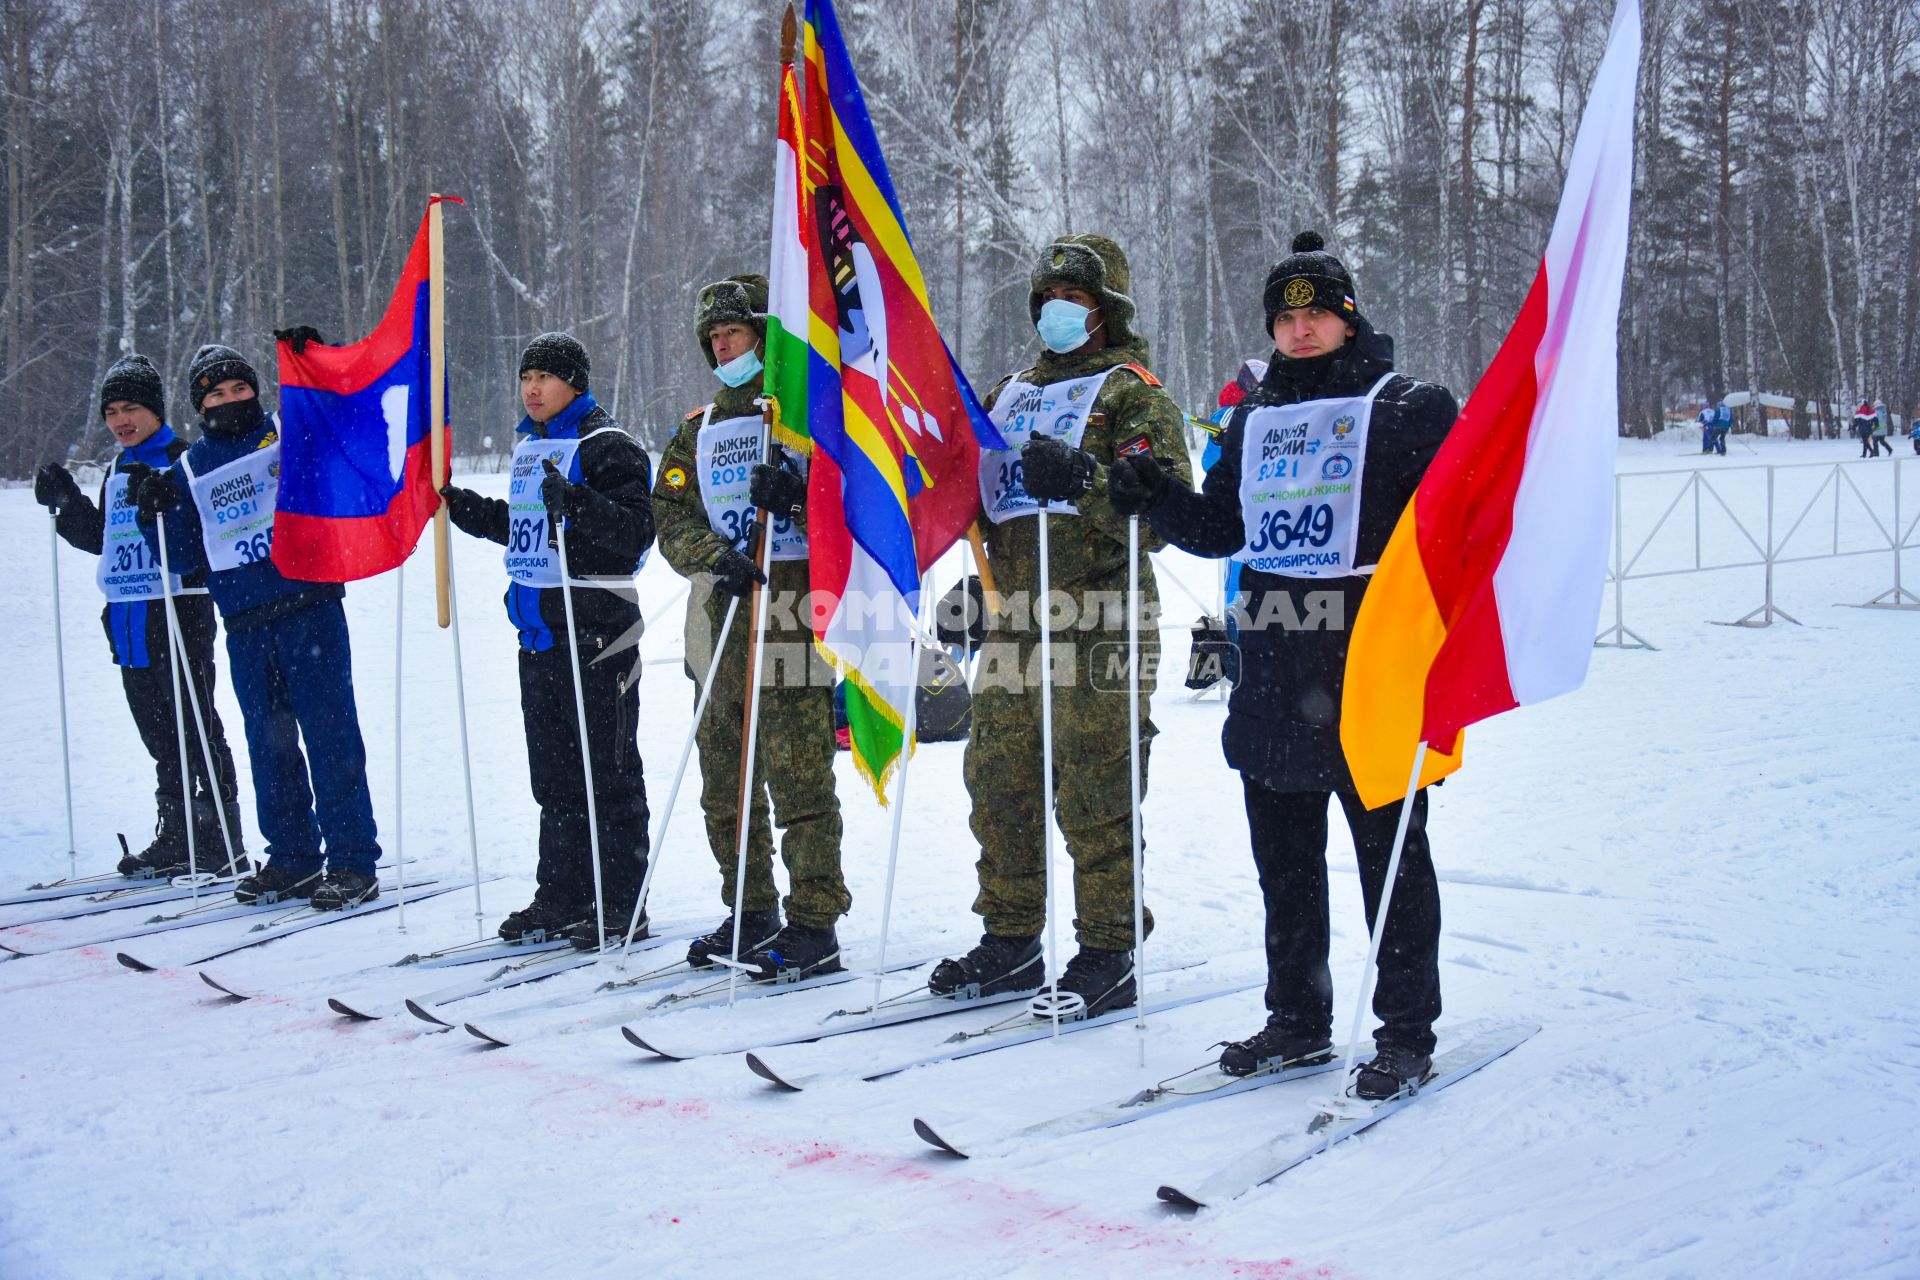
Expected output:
{"points": [[356, 482]]}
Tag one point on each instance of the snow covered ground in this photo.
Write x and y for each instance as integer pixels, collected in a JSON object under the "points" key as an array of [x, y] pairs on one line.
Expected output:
{"points": [[1698, 874]]}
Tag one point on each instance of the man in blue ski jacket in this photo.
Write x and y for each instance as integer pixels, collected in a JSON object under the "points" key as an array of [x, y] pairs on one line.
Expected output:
{"points": [[134, 407], [286, 641]]}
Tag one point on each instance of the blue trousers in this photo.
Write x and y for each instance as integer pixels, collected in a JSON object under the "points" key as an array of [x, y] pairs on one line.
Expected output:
{"points": [[294, 679]]}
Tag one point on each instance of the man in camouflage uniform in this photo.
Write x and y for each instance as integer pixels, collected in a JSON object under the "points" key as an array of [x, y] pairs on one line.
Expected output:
{"points": [[701, 501], [1089, 400]]}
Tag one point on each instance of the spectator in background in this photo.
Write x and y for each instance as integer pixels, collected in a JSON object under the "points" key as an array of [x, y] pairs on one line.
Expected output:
{"points": [[1722, 424], [1882, 424], [1706, 426], [1863, 429], [1913, 428]]}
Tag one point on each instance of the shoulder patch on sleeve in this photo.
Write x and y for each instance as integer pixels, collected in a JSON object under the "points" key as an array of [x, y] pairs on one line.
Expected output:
{"points": [[1135, 447], [695, 412], [1145, 374], [674, 478]]}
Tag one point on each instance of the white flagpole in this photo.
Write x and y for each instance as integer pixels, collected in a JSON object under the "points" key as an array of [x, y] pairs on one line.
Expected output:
{"points": [[399, 836], [912, 719], [1380, 916], [680, 771], [1134, 782], [60, 681]]}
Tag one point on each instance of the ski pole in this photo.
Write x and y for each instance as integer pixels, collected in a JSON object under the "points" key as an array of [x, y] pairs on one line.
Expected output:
{"points": [[466, 755], [750, 738], [680, 771], [179, 715], [1134, 784], [1044, 616], [580, 708], [399, 831], [60, 682], [911, 721]]}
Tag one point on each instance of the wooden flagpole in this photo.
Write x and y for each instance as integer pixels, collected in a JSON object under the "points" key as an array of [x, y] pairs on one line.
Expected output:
{"points": [[437, 398]]}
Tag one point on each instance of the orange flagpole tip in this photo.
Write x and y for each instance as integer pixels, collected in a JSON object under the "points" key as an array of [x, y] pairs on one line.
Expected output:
{"points": [[789, 36]]}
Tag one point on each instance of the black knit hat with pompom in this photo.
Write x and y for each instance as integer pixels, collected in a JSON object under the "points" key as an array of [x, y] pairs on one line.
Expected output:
{"points": [[1309, 277]]}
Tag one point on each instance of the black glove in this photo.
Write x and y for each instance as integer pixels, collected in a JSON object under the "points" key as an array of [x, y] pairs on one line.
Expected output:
{"points": [[1136, 485], [53, 487], [153, 493], [465, 508], [734, 574], [777, 490], [298, 337], [960, 618], [560, 495], [1055, 470], [1213, 657]]}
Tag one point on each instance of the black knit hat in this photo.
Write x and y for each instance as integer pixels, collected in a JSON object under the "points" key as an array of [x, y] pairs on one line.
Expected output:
{"points": [[1309, 277], [559, 355], [214, 364], [133, 378]]}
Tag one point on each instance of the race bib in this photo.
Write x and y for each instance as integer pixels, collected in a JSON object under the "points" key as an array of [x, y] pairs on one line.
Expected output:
{"points": [[236, 503], [128, 570], [1023, 410], [530, 561], [724, 456], [1300, 471]]}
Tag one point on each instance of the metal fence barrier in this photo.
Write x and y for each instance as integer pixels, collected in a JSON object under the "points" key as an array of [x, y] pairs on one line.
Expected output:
{"points": [[1729, 533]]}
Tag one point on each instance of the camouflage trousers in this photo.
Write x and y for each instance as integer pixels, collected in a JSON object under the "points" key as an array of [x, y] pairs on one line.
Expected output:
{"points": [[1092, 792], [793, 766]]}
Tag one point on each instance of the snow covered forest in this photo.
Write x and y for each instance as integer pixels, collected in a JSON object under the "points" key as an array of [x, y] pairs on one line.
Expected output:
{"points": [[180, 171]]}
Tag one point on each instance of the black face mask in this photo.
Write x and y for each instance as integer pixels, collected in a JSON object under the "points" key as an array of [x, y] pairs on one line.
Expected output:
{"points": [[234, 418]]}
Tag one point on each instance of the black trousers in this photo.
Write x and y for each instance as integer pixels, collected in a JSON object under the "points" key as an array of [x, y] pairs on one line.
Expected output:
{"points": [[149, 691], [559, 783], [1290, 851]]}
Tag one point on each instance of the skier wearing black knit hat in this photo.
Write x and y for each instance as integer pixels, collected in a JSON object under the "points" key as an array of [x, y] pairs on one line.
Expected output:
{"points": [[133, 404], [286, 640], [1316, 465], [575, 464]]}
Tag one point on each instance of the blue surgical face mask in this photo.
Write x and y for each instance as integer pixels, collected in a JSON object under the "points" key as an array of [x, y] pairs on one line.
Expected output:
{"points": [[740, 370], [1063, 325]]}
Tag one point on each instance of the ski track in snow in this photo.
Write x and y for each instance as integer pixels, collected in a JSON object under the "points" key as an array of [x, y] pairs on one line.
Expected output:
{"points": [[1697, 874]]}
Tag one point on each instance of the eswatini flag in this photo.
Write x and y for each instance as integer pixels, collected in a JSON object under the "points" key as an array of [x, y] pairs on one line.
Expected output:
{"points": [[1490, 588], [861, 376], [356, 483]]}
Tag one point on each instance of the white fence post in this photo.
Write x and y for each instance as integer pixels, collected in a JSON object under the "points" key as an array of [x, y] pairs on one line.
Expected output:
{"points": [[1898, 597]]}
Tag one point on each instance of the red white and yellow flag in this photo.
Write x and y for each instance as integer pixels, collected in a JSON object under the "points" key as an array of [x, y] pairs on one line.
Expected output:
{"points": [[1490, 589]]}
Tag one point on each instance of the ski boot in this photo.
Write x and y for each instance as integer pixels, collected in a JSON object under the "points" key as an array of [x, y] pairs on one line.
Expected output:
{"points": [[1273, 1048], [998, 964], [756, 929], [345, 889], [1093, 983], [275, 883], [541, 920], [797, 951], [585, 936], [1394, 1071]]}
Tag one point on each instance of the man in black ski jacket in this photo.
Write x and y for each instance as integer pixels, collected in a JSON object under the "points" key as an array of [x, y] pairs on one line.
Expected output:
{"points": [[574, 463], [1330, 404]]}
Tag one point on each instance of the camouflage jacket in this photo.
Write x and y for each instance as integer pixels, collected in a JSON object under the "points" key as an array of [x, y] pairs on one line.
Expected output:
{"points": [[1088, 552]]}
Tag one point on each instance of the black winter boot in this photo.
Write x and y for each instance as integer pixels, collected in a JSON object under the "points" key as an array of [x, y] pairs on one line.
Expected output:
{"points": [[1273, 1048], [585, 936], [1103, 981], [167, 849], [998, 964], [343, 889], [276, 884], [543, 919], [756, 929], [1393, 1071], [797, 951]]}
